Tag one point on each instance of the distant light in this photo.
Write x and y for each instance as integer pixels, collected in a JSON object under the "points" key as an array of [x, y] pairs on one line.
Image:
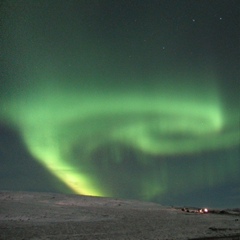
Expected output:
{"points": [[203, 210]]}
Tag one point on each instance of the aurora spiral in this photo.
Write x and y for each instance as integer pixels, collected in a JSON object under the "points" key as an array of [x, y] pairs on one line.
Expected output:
{"points": [[112, 108]]}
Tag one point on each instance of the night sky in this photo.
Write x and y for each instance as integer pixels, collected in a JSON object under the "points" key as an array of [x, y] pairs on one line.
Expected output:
{"points": [[131, 99]]}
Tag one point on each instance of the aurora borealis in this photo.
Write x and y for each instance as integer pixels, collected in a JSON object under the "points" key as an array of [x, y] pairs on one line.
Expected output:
{"points": [[130, 99]]}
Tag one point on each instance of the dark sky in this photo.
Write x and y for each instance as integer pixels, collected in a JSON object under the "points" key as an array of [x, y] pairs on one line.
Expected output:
{"points": [[131, 99]]}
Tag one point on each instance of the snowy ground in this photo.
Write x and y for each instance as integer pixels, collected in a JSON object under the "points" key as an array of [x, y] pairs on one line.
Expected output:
{"points": [[27, 215]]}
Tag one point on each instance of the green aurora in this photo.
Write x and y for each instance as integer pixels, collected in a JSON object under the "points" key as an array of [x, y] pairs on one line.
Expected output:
{"points": [[105, 126], [152, 123]]}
